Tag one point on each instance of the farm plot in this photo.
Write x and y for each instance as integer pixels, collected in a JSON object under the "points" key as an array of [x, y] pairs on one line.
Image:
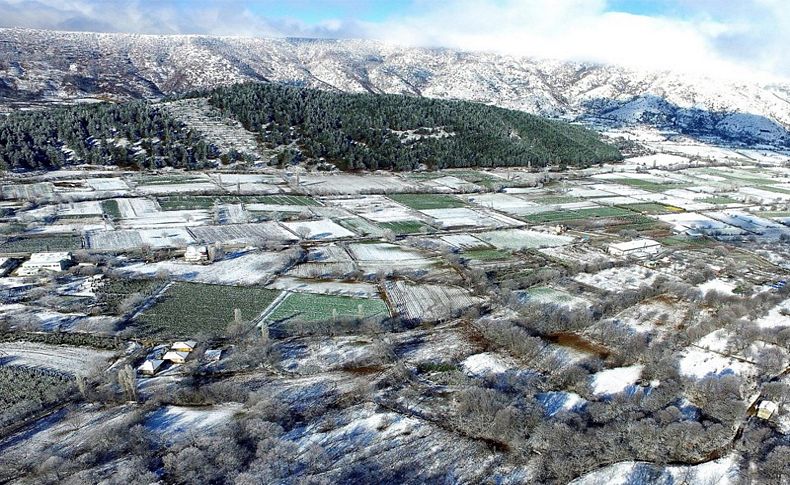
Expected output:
{"points": [[547, 295], [241, 269], [618, 279], [504, 202], [62, 358], [167, 219], [428, 302], [750, 223], [309, 307], [320, 229], [192, 309], [406, 227], [107, 184], [243, 234], [576, 253], [361, 226], [516, 239], [377, 257], [464, 241], [450, 184], [80, 209], [249, 183], [375, 208], [328, 261], [174, 237], [298, 285], [339, 184], [41, 243], [27, 191], [176, 188], [581, 213], [131, 208], [428, 201], [465, 217]]}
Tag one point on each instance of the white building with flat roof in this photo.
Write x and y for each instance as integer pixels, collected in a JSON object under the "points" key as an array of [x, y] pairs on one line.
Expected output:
{"points": [[39, 262], [638, 248]]}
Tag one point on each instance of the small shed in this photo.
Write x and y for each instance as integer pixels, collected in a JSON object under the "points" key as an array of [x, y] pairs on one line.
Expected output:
{"points": [[51, 261], [196, 254], [766, 409], [213, 355], [150, 367], [176, 357], [186, 346]]}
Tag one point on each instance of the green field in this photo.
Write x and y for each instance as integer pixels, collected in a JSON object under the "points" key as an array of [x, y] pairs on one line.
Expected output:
{"points": [[652, 208], [719, 200], [427, 201], [170, 179], [188, 202], [194, 309], [41, 243], [556, 199], [323, 308], [567, 215], [110, 207], [405, 227]]}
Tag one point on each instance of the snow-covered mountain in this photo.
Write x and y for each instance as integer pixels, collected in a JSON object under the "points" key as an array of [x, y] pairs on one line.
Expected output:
{"points": [[38, 66]]}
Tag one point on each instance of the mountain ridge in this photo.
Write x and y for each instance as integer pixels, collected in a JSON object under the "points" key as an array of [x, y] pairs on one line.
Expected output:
{"points": [[46, 66]]}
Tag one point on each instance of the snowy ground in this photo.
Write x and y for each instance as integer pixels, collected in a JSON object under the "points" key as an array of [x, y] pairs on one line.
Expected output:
{"points": [[62, 358], [242, 269]]}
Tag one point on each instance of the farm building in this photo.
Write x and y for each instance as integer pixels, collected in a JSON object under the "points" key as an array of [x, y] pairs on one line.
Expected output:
{"points": [[766, 409], [150, 367], [187, 346], [176, 357], [213, 355], [196, 254], [638, 248], [45, 262]]}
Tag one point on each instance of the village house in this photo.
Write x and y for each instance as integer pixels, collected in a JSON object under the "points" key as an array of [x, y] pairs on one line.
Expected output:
{"points": [[150, 367], [45, 262], [638, 248], [187, 346], [766, 409], [196, 254], [176, 357]]}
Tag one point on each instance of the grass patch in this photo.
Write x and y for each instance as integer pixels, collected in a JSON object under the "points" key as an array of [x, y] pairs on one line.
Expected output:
{"points": [[110, 207], [405, 227], [310, 307], [41, 243], [427, 201], [194, 309]]}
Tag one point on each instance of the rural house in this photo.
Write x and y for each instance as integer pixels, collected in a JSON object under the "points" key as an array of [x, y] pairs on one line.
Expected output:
{"points": [[196, 254], [45, 262], [187, 346], [176, 357], [766, 409], [150, 367], [638, 248]]}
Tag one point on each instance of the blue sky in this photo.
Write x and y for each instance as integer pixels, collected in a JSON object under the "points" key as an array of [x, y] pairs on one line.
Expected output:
{"points": [[732, 38]]}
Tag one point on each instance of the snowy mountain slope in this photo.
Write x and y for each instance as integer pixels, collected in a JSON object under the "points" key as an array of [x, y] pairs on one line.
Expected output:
{"points": [[38, 66]]}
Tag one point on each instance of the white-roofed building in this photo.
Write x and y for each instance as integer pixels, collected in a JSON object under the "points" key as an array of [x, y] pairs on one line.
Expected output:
{"points": [[176, 357], [638, 248], [150, 367], [45, 262]]}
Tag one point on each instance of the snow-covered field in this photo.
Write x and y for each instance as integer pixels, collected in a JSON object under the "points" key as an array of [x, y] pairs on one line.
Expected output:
{"points": [[375, 208], [612, 381], [62, 358], [523, 239], [174, 423], [617, 279], [172, 237], [244, 269], [428, 302], [356, 289], [240, 234], [466, 217], [321, 229]]}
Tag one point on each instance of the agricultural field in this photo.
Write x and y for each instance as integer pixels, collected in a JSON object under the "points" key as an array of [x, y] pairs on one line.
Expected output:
{"points": [[313, 307], [41, 243], [187, 310], [427, 201], [480, 321]]}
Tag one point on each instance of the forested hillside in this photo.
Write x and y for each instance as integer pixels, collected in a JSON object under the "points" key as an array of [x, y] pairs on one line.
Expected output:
{"points": [[351, 131], [367, 131], [134, 134]]}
